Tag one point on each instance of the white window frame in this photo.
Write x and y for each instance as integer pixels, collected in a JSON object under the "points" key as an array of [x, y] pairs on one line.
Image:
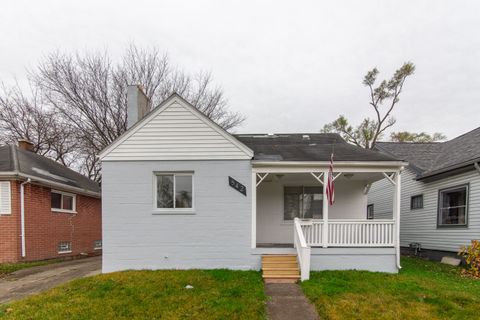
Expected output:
{"points": [[74, 202], [64, 251], [7, 197], [173, 210], [96, 247]]}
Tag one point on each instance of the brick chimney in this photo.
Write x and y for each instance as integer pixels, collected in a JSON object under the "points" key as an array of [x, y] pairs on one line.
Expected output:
{"points": [[138, 104], [25, 144]]}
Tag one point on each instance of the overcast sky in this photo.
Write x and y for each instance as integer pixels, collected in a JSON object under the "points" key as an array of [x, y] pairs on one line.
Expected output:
{"points": [[288, 66]]}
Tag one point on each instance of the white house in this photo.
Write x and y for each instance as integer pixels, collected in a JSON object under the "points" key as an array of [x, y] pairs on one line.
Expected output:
{"points": [[440, 201], [179, 192]]}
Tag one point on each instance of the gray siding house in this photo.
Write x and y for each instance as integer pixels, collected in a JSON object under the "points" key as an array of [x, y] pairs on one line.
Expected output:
{"points": [[179, 192], [440, 201]]}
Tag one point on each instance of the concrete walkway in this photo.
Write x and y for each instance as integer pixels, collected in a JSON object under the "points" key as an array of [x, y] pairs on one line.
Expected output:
{"points": [[287, 302], [30, 281]]}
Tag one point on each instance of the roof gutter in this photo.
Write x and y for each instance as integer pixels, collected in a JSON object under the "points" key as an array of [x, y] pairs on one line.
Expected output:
{"points": [[16, 174]]}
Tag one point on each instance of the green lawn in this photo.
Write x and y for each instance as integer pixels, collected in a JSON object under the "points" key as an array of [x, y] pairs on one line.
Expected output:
{"points": [[6, 268], [216, 294], [422, 290]]}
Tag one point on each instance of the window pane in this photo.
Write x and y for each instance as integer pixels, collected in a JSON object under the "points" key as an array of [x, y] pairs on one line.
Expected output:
{"points": [[292, 202], [183, 191], [370, 214], [416, 202], [165, 191], [67, 202], [312, 203], [453, 216], [64, 246], [56, 200], [454, 198]]}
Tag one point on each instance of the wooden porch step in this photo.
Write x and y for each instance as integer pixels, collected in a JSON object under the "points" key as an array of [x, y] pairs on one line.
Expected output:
{"points": [[284, 258], [280, 268], [280, 265]]}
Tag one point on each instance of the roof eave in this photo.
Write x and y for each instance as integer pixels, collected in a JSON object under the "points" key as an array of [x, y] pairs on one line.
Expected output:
{"points": [[46, 182], [454, 169], [343, 164]]}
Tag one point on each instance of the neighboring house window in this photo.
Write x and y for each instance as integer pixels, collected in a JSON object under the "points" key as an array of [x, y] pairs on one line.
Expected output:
{"points": [[453, 206], [370, 213], [65, 247], [174, 191], [416, 202], [5, 198], [97, 245], [62, 201], [302, 202]]}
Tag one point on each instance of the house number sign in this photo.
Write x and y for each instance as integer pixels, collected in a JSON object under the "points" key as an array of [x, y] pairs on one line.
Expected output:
{"points": [[237, 186]]}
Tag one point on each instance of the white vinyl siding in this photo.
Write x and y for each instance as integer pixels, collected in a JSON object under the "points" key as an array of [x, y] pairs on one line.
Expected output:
{"points": [[177, 133], [5, 198], [420, 225]]}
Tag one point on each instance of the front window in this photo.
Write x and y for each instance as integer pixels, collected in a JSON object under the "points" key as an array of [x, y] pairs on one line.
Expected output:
{"points": [[452, 206], [62, 201], [302, 202], [174, 191]]}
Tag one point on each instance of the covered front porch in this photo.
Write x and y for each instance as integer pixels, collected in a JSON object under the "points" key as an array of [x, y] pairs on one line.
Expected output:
{"points": [[291, 214]]}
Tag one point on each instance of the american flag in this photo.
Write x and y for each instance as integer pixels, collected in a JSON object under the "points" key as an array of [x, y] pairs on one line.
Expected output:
{"points": [[330, 188]]}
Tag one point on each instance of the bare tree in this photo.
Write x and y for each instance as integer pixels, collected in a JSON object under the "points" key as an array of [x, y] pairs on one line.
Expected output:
{"points": [[384, 98], [25, 117], [79, 102]]}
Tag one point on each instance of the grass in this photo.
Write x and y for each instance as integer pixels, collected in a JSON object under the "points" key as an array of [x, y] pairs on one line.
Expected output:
{"points": [[422, 290], [6, 268], [216, 294]]}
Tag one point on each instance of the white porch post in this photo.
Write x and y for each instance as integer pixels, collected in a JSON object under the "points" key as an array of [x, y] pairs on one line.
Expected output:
{"points": [[396, 212], [254, 209], [325, 211]]}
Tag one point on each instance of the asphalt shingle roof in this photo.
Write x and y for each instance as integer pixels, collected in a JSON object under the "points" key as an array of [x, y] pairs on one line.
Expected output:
{"points": [[317, 147], [32, 164], [428, 159]]}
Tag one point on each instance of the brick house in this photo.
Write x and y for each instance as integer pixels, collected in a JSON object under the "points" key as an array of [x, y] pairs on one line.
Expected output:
{"points": [[46, 210]]}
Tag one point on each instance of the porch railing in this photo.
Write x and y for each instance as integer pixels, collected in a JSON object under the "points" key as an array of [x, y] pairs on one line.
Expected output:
{"points": [[303, 250], [349, 233]]}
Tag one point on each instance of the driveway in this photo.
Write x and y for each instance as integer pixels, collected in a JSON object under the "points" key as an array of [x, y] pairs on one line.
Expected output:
{"points": [[30, 281]]}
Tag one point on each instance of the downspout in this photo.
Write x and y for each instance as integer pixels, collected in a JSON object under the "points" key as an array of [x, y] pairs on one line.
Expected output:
{"points": [[398, 199], [477, 166], [22, 214]]}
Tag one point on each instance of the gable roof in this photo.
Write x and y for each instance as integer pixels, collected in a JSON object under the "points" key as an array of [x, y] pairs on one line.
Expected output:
{"points": [[308, 147], [175, 130], [431, 159], [18, 162], [420, 156]]}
